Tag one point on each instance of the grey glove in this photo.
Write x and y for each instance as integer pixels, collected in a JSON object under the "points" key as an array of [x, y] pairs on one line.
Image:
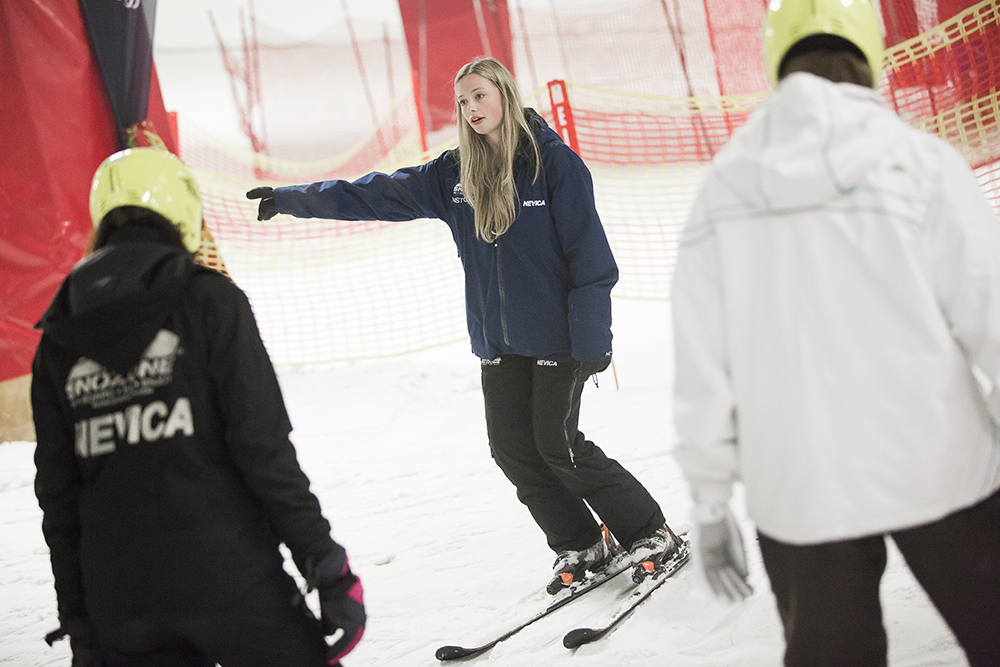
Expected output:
{"points": [[719, 547]]}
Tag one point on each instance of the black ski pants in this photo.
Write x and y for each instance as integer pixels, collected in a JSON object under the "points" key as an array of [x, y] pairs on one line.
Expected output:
{"points": [[532, 413], [828, 594]]}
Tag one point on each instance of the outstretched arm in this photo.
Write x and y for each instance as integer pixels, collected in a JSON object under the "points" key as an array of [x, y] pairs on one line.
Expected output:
{"points": [[407, 194]]}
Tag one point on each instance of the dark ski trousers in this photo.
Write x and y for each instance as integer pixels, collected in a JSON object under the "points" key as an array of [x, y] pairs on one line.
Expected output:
{"points": [[270, 625], [828, 594], [532, 413]]}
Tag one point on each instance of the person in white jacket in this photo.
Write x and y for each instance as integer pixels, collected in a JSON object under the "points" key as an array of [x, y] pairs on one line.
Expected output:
{"points": [[836, 316]]}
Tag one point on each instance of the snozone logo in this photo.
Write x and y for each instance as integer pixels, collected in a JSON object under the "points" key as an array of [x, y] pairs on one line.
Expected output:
{"points": [[91, 384], [456, 194]]}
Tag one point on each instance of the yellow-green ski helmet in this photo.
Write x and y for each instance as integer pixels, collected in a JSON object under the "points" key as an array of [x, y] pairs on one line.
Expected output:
{"points": [[790, 21], [154, 179]]}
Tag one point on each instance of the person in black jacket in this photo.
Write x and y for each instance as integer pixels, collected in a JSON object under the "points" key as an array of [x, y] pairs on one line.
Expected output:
{"points": [[539, 273], [165, 473]]}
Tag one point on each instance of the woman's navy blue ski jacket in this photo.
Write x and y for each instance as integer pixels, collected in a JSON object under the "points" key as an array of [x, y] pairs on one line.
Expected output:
{"points": [[543, 288]]}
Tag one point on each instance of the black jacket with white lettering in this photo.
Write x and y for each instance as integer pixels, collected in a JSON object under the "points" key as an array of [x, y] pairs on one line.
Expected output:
{"points": [[164, 468]]}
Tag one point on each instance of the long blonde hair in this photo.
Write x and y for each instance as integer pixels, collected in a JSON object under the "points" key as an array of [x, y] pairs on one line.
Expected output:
{"points": [[487, 171]]}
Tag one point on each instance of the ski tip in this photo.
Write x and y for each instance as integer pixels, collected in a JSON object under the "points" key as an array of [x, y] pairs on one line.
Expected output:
{"points": [[452, 652], [580, 636]]}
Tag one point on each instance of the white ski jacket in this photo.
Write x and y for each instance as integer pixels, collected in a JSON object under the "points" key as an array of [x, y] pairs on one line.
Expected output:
{"points": [[838, 278]]}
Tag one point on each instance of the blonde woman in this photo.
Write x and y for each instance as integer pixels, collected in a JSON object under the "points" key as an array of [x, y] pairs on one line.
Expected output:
{"points": [[539, 273]]}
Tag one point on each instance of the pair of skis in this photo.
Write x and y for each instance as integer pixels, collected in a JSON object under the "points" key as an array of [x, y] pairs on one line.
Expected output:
{"points": [[580, 636]]}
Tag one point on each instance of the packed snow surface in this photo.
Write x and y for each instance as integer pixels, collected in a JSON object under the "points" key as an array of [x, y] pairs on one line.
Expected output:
{"points": [[397, 452]]}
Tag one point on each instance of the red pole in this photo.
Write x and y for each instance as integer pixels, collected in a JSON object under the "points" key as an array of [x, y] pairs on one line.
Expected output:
{"points": [[563, 114]]}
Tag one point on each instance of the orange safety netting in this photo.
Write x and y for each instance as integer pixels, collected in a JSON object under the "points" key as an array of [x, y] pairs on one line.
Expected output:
{"points": [[644, 90]]}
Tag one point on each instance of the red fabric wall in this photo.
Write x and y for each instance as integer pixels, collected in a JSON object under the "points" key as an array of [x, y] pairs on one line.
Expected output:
{"points": [[57, 128], [454, 36]]}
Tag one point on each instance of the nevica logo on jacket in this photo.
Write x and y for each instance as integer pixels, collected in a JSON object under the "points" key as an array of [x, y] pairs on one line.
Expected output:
{"points": [[90, 383], [135, 424]]}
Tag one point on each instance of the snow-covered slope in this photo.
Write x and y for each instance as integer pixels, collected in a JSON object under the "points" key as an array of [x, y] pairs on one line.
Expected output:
{"points": [[397, 453]]}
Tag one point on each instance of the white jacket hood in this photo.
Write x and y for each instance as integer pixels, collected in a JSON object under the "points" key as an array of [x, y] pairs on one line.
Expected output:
{"points": [[798, 153]]}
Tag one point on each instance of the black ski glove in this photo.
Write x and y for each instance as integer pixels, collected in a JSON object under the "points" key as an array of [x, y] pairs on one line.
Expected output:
{"points": [[588, 368], [267, 208], [341, 601], [82, 641]]}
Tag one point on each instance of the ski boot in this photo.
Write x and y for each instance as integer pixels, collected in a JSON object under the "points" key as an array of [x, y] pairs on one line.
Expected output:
{"points": [[652, 552], [572, 566]]}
